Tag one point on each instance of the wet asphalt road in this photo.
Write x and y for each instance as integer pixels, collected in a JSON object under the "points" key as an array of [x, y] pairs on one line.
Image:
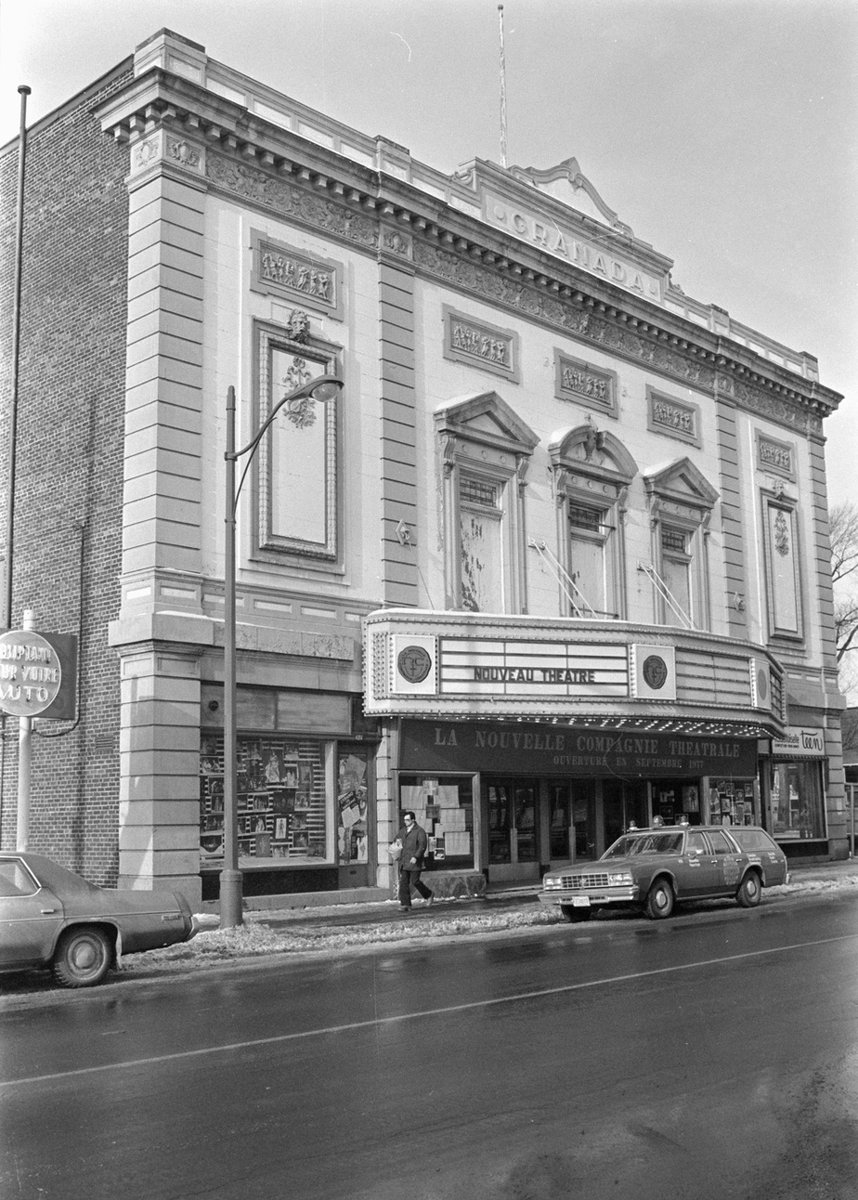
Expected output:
{"points": [[712, 1056]]}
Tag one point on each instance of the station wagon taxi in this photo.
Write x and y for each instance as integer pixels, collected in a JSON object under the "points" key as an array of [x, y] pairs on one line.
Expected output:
{"points": [[654, 869]]}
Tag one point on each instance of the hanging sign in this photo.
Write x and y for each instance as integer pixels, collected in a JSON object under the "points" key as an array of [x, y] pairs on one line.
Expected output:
{"points": [[37, 674]]}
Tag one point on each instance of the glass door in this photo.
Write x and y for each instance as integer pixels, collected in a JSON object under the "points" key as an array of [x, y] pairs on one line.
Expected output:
{"points": [[623, 804], [513, 835]]}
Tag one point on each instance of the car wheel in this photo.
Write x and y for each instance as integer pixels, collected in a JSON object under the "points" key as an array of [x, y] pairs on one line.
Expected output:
{"points": [[83, 957], [750, 891], [572, 912], [660, 900]]}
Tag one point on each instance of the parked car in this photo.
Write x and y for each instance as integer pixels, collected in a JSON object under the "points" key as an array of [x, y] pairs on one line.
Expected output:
{"points": [[656, 868], [50, 917]]}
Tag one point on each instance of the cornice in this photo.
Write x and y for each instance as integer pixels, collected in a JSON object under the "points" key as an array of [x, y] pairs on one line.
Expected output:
{"points": [[278, 170]]}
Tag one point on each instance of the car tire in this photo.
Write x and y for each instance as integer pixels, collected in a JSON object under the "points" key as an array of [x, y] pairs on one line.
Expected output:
{"points": [[83, 957], [750, 891], [660, 899], [572, 912]]}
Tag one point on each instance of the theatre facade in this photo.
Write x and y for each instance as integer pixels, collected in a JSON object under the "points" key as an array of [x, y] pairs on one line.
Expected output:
{"points": [[526, 744], [555, 560]]}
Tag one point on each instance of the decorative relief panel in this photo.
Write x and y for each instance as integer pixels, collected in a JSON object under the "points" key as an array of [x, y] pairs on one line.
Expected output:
{"points": [[579, 381], [480, 345], [281, 270], [298, 467], [162, 147], [783, 570], [394, 241], [676, 418], [776, 456]]}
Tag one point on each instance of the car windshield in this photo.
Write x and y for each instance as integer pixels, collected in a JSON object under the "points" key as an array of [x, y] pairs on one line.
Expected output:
{"points": [[644, 843]]}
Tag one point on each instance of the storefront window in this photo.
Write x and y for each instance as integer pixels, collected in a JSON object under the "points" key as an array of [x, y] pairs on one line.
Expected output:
{"points": [[281, 797], [352, 802], [798, 808], [732, 802], [444, 807]]}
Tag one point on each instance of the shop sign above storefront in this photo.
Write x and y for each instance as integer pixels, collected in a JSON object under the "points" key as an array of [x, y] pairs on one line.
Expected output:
{"points": [[800, 743], [565, 750]]}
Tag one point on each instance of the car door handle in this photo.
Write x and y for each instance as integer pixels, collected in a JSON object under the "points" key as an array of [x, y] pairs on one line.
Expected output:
{"points": [[45, 911]]}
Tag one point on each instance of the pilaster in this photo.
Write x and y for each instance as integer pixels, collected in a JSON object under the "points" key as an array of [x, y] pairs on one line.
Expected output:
{"points": [[159, 755]]}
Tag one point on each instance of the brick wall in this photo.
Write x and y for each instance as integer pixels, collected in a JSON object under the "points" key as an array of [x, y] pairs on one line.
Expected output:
{"points": [[68, 503]]}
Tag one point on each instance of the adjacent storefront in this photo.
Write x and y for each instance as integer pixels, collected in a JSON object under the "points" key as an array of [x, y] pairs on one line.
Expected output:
{"points": [[794, 777], [304, 797]]}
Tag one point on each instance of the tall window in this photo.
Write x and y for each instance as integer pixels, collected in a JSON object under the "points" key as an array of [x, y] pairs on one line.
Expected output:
{"points": [[592, 566], [592, 473], [676, 561], [483, 566], [485, 451], [681, 501]]}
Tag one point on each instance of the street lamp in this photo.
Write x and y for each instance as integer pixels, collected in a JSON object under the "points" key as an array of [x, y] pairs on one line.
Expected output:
{"points": [[322, 388]]}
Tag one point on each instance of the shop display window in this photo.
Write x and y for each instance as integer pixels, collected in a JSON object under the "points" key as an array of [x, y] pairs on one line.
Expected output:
{"points": [[444, 807], [732, 802], [798, 802], [281, 800], [352, 806]]}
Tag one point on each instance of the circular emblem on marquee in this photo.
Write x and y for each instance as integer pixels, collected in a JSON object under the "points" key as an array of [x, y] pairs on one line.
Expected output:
{"points": [[655, 672], [30, 673], [762, 684], [414, 663]]}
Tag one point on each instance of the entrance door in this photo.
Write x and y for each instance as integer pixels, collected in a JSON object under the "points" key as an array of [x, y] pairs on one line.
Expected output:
{"points": [[624, 804], [512, 825]]}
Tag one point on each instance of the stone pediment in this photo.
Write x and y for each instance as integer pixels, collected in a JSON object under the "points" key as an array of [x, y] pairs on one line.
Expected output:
{"points": [[683, 483], [567, 183], [486, 418]]}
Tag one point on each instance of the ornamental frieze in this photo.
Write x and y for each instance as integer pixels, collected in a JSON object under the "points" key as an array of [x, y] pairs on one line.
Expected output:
{"points": [[617, 339], [772, 407], [285, 198]]}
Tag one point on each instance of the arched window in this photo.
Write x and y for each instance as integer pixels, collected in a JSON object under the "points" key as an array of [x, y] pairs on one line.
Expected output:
{"points": [[485, 451], [592, 472]]}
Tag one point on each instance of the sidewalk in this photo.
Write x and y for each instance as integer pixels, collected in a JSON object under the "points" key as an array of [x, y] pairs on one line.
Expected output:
{"points": [[378, 907]]}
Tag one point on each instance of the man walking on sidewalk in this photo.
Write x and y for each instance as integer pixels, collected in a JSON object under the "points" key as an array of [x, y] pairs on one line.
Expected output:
{"points": [[414, 843]]}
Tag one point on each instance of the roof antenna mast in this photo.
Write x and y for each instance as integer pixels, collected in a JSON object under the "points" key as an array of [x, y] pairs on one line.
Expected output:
{"points": [[502, 90]]}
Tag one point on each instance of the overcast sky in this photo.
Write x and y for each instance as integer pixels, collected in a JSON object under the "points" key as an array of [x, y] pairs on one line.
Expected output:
{"points": [[722, 131]]}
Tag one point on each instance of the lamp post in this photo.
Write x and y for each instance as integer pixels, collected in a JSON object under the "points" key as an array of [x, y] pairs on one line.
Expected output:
{"points": [[322, 388]]}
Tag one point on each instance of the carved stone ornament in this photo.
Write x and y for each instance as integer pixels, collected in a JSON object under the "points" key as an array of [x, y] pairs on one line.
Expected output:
{"points": [[302, 411], [286, 198], [781, 534], [298, 327], [184, 152], [396, 242], [145, 153]]}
